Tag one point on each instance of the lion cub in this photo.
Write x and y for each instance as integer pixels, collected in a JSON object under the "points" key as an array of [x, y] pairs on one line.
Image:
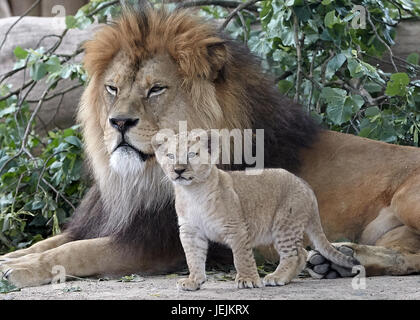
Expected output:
{"points": [[242, 211]]}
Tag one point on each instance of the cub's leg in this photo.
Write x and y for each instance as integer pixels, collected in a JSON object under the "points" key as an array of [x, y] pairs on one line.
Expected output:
{"points": [[292, 262], [38, 247], [195, 248], [288, 239], [243, 258]]}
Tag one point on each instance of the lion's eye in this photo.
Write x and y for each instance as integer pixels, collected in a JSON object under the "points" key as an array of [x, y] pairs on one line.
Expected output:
{"points": [[156, 90], [191, 155], [171, 156], [111, 90]]}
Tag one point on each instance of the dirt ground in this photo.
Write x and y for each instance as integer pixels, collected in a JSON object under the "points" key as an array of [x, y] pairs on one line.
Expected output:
{"points": [[220, 286]]}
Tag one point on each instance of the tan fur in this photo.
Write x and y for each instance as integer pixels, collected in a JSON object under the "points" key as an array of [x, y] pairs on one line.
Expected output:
{"points": [[242, 211], [353, 178]]}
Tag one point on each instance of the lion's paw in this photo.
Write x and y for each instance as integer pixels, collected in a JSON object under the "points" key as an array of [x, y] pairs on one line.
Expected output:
{"points": [[275, 279], [17, 277], [320, 267], [188, 284], [248, 282]]}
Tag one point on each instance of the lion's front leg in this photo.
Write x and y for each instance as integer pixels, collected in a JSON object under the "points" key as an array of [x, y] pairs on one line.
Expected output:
{"points": [[38, 247], [78, 258]]}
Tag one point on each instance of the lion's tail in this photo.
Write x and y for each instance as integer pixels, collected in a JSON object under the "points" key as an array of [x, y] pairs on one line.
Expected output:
{"points": [[319, 240]]}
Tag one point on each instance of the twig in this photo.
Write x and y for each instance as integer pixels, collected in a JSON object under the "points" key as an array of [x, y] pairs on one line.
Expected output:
{"points": [[17, 21], [28, 126], [391, 55], [241, 18], [101, 7], [58, 193], [221, 3], [62, 92], [299, 57], [27, 84], [236, 10]]}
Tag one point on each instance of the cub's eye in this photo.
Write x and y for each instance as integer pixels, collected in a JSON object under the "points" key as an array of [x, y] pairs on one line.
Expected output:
{"points": [[156, 90], [171, 156], [111, 90], [191, 155]]}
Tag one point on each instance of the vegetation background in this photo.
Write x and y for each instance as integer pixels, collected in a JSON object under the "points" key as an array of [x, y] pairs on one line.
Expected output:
{"points": [[323, 54]]}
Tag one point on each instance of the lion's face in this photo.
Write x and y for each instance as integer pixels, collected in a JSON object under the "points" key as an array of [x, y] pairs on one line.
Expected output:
{"points": [[138, 102]]}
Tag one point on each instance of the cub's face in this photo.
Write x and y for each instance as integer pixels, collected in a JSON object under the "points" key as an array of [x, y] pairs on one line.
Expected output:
{"points": [[139, 100], [184, 161]]}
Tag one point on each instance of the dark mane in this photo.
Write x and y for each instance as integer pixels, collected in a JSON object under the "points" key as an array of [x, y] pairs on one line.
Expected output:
{"points": [[287, 126]]}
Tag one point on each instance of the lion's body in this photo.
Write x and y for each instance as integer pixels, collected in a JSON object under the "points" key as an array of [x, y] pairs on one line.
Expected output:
{"points": [[171, 67]]}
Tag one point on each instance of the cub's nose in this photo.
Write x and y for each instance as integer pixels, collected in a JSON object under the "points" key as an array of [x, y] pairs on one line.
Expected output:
{"points": [[123, 124], [179, 171]]}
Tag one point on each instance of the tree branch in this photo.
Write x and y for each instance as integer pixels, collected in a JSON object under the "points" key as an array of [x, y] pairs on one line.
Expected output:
{"points": [[236, 10], [17, 21]]}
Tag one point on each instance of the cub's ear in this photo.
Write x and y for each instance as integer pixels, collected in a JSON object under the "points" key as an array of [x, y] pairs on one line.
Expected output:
{"points": [[161, 138]]}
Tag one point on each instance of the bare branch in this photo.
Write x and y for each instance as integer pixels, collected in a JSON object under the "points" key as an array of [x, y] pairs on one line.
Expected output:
{"points": [[17, 21], [28, 126], [299, 57], [59, 93], [236, 10], [391, 55], [221, 3]]}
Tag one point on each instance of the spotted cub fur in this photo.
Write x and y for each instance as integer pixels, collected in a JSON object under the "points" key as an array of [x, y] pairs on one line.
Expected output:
{"points": [[241, 211]]}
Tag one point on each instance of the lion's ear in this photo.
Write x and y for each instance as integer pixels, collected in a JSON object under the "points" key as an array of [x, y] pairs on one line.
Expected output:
{"points": [[217, 54], [204, 58]]}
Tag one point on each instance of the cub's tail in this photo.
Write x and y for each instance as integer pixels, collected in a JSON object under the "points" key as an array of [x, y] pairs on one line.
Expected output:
{"points": [[319, 240]]}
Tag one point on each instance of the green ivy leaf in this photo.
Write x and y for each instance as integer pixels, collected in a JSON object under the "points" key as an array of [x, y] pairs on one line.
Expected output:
{"points": [[413, 58], [71, 22], [285, 86], [74, 141], [397, 85], [340, 107], [334, 64], [330, 19], [6, 287], [20, 53], [38, 71]]}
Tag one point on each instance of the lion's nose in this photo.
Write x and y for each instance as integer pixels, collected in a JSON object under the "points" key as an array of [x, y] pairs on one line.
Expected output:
{"points": [[179, 171], [123, 124]]}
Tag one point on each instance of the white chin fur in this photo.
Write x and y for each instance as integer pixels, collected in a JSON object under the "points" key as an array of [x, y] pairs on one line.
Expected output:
{"points": [[126, 162]]}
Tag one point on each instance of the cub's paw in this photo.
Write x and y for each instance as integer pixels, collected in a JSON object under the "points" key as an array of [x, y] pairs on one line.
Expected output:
{"points": [[248, 282], [273, 279], [188, 285], [320, 267]]}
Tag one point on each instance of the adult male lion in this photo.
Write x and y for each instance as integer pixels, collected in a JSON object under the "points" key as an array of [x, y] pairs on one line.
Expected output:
{"points": [[151, 69]]}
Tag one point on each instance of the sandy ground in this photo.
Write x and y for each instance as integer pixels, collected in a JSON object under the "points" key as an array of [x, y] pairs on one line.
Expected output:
{"points": [[221, 287]]}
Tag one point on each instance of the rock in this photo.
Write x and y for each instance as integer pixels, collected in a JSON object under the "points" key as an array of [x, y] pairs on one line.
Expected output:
{"points": [[26, 34]]}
